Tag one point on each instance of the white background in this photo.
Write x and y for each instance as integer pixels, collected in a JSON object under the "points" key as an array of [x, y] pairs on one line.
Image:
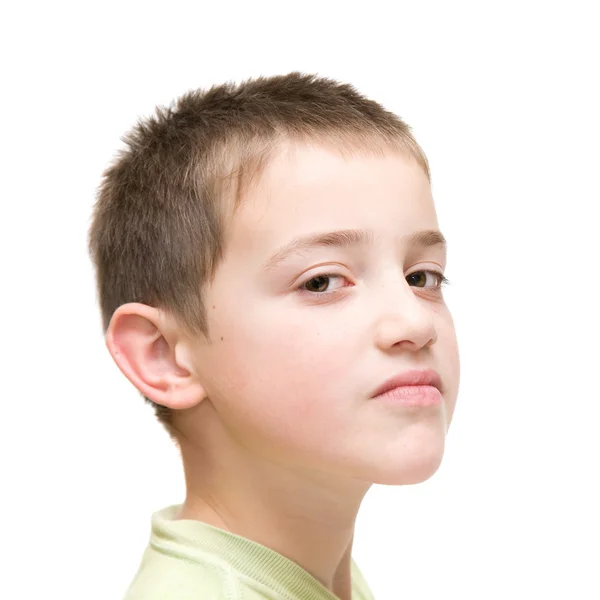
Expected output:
{"points": [[504, 99]]}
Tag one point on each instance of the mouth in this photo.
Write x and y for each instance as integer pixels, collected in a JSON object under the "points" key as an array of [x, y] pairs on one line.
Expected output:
{"points": [[413, 377]]}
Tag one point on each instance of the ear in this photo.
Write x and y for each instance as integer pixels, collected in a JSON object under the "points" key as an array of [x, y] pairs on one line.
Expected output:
{"points": [[160, 369]]}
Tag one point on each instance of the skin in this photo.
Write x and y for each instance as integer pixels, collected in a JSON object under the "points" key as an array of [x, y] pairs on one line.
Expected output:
{"points": [[279, 435]]}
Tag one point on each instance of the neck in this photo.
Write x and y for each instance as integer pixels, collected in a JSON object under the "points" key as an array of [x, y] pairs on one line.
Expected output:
{"points": [[306, 516]]}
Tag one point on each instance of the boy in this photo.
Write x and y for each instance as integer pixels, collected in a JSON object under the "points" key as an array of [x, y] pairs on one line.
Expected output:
{"points": [[269, 269]]}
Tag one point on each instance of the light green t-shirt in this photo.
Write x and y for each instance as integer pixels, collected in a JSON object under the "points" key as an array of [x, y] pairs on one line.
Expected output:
{"points": [[191, 560]]}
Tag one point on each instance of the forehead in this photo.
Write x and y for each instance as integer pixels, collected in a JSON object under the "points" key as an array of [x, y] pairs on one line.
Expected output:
{"points": [[305, 189]]}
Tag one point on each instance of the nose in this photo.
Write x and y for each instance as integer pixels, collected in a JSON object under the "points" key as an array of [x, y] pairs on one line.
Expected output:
{"points": [[405, 319]]}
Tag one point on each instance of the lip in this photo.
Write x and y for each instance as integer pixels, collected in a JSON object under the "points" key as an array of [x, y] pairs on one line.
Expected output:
{"points": [[410, 377]]}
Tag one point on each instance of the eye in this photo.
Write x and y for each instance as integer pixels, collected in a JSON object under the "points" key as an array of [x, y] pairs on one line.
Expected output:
{"points": [[421, 277], [320, 284]]}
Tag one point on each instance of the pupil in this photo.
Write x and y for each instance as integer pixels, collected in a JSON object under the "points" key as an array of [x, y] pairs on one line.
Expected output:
{"points": [[416, 276], [322, 279]]}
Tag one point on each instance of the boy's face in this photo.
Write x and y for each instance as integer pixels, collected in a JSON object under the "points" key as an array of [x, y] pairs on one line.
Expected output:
{"points": [[299, 346]]}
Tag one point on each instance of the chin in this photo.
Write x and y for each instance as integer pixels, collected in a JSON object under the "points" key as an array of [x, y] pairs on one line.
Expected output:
{"points": [[411, 464], [407, 476]]}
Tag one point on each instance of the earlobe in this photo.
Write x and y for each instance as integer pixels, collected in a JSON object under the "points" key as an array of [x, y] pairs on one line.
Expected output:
{"points": [[144, 355]]}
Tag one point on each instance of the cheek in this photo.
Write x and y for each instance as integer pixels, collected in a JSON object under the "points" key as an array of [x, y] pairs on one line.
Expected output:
{"points": [[284, 375], [291, 360], [450, 363], [288, 343]]}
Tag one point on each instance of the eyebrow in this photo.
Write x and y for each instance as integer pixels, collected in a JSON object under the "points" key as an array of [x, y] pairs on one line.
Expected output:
{"points": [[346, 238]]}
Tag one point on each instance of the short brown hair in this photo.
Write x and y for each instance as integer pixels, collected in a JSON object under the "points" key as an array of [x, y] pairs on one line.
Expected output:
{"points": [[158, 224]]}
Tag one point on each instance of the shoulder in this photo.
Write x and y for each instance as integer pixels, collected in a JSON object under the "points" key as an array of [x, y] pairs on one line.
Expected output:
{"points": [[166, 577]]}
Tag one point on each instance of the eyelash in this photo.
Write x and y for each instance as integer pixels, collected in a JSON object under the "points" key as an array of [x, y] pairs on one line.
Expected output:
{"points": [[443, 281]]}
